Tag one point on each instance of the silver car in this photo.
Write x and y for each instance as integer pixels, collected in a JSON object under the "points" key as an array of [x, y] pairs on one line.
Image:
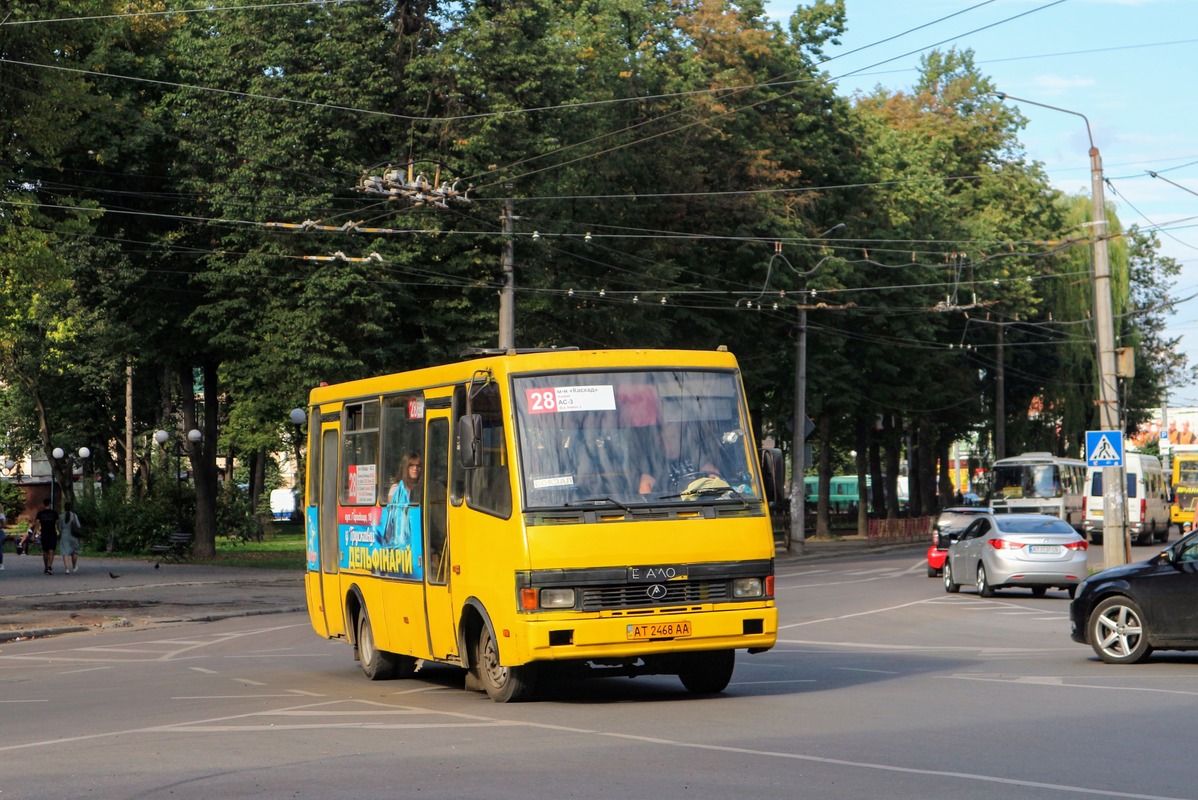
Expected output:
{"points": [[1035, 551]]}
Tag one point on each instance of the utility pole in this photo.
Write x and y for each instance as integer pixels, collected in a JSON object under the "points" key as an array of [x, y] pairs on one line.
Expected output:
{"points": [[507, 295], [1116, 547], [1000, 397], [129, 427], [798, 459]]}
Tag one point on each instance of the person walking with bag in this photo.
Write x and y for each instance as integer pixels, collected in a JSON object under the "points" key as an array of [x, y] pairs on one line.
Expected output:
{"points": [[68, 541], [47, 520]]}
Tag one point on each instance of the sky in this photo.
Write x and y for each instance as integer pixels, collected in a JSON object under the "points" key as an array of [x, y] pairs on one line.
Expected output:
{"points": [[1129, 66]]}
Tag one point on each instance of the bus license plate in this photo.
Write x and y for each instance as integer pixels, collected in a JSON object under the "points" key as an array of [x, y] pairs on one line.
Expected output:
{"points": [[660, 630]]}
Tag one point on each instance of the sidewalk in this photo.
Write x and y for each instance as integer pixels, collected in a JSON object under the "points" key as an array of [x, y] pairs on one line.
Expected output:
{"points": [[33, 604], [842, 546]]}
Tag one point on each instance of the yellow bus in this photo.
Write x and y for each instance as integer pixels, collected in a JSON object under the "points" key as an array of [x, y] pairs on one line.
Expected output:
{"points": [[522, 511], [1185, 483]]}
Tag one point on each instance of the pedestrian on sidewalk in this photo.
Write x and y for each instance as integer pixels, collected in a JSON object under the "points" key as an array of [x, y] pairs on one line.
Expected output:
{"points": [[68, 542], [47, 520]]}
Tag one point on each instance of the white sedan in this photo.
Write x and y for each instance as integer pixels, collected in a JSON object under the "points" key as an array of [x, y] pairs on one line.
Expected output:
{"points": [[1000, 551]]}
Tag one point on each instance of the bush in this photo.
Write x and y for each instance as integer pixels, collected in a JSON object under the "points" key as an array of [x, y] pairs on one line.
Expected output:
{"points": [[12, 499], [234, 516], [112, 523]]}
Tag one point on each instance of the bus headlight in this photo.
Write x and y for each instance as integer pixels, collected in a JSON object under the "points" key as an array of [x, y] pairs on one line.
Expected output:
{"points": [[557, 598], [747, 587]]}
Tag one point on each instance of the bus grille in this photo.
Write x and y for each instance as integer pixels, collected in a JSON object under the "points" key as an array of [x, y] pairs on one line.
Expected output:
{"points": [[603, 598]]}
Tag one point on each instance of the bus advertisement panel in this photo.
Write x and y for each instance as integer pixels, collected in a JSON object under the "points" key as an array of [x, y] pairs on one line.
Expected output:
{"points": [[519, 512]]}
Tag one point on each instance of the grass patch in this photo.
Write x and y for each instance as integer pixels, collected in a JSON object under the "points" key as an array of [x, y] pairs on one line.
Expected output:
{"points": [[282, 547]]}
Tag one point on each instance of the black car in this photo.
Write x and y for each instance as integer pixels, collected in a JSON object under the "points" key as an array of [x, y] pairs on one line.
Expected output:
{"points": [[1126, 612]]}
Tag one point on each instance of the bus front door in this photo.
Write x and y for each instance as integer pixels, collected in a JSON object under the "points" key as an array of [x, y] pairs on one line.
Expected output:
{"points": [[440, 613], [330, 539]]}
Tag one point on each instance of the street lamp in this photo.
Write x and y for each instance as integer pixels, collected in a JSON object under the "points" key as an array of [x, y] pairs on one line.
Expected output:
{"points": [[57, 453], [1116, 547], [162, 437], [84, 454]]}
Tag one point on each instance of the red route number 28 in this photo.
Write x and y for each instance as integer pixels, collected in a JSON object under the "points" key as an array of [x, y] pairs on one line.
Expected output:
{"points": [[541, 401]]}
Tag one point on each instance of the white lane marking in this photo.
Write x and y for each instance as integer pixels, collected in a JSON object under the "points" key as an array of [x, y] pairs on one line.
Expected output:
{"points": [[1060, 682], [851, 616], [916, 648], [875, 671]]}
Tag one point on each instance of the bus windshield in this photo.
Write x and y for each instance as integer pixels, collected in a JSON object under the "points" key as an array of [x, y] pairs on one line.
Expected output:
{"points": [[634, 437], [1013, 481]]}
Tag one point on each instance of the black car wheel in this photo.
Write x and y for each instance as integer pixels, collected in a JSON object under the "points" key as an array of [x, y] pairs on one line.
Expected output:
{"points": [[1117, 631]]}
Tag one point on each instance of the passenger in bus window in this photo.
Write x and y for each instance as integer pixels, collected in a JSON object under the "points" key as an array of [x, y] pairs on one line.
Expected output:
{"points": [[408, 478], [404, 493]]}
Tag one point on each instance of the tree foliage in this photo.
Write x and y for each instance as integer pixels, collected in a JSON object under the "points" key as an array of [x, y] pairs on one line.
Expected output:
{"points": [[180, 192]]}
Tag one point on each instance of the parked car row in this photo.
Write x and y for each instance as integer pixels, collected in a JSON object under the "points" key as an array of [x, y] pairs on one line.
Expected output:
{"points": [[1124, 613]]}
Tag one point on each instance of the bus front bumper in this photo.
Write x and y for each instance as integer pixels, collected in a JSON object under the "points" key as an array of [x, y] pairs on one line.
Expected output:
{"points": [[618, 636]]}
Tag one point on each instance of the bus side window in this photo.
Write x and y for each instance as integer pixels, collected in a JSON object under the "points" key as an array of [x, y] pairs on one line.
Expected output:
{"points": [[360, 454]]}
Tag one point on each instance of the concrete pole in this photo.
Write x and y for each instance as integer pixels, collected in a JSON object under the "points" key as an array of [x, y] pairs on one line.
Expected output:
{"points": [[798, 465], [507, 296], [1116, 547], [1000, 396], [129, 427]]}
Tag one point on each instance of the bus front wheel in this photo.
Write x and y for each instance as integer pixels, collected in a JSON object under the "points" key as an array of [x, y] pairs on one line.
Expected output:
{"points": [[503, 684], [708, 673]]}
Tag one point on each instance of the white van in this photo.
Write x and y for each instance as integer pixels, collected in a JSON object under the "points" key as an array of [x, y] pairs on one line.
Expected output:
{"points": [[1147, 500]]}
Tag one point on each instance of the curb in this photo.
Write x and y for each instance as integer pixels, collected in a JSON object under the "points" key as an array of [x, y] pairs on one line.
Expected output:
{"points": [[809, 552], [41, 633]]}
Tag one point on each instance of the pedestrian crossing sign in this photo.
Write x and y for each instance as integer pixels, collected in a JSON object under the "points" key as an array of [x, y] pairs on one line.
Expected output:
{"points": [[1104, 448]]}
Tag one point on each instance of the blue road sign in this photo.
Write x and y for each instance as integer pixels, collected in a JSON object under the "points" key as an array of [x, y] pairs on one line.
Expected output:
{"points": [[1104, 448]]}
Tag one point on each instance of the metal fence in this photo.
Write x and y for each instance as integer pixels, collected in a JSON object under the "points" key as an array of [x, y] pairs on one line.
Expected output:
{"points": [[903, 529]]}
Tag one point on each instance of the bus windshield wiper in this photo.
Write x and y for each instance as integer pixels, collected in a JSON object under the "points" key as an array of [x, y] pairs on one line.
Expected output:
{"points": [[604, 499]]}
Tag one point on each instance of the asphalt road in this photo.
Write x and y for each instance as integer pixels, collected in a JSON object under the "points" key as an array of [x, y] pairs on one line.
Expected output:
{"points": [[882, 685]]}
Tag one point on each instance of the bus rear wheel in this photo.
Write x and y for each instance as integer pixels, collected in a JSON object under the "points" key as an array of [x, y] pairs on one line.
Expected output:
{"points": [[379, 665], [502, 684], [707, 673]]}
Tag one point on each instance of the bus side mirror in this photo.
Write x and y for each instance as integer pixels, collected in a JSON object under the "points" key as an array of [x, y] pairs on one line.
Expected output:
{"points": [[470, 434], [773, 473]]}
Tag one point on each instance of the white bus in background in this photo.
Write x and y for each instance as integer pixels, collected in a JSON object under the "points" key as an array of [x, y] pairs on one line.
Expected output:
{"points": [[1148, 516], [1040, 483]]}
